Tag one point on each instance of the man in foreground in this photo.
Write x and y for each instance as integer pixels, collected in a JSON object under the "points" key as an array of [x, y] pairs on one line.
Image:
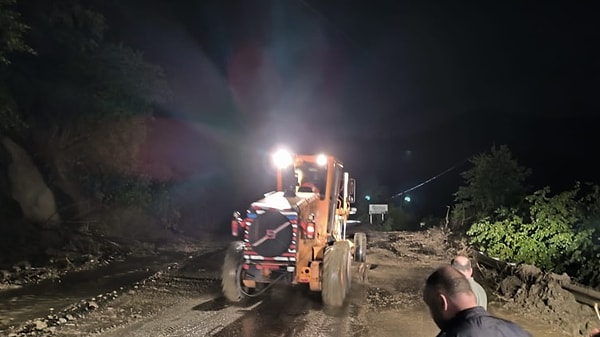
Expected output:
{"points": [[454, 309], [463, 265]]}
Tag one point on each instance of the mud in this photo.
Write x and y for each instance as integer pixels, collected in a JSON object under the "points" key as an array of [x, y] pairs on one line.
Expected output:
{"points": [[534, 293], [186, 297]]}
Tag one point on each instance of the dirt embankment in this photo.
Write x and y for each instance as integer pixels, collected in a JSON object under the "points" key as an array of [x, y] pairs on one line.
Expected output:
{"points": [[532, 293], [80, 250]]}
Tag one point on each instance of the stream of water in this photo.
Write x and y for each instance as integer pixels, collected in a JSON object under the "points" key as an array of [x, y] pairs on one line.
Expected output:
{"points": [[35, 300]]}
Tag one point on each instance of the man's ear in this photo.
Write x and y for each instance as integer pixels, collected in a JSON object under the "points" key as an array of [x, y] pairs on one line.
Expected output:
{"points": [[443, 302]]}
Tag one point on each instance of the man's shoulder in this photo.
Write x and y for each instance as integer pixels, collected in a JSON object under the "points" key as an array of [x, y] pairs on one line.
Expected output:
{"points": [[478, 322]]}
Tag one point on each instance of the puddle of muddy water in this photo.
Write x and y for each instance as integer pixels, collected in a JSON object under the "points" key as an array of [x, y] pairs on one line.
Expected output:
{"points": [[35, 300]]}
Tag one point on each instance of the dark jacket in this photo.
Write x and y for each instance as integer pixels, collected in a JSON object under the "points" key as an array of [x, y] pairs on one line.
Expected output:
{"points": [[476, 322]]}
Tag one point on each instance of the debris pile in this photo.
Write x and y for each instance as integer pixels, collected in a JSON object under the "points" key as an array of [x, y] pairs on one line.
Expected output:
{"points": [[540, 294], [412, 245]]}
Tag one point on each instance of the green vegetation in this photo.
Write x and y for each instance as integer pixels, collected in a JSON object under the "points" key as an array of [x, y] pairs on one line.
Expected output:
{"points": [[557, 232], [12, 31], [495, 180], [78, 103]]}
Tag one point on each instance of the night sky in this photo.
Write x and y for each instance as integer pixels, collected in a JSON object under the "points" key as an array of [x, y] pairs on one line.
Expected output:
{"points": [[400, 92]]}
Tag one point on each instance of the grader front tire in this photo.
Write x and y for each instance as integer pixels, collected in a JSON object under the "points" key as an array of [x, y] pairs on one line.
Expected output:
{"points": [[336, 274], [230, 275]]}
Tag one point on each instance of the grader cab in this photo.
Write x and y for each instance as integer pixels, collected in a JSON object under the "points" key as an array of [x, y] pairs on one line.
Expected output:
{"points": [[296, 234]]}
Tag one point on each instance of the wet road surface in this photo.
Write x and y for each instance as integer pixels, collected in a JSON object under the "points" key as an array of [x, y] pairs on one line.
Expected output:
{"points": [[284, 311], [187, 301], [38, 300], [35, 300]]}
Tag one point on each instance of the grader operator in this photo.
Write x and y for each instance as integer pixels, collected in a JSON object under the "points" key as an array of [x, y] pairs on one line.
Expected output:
{"points": [[296, 234]]}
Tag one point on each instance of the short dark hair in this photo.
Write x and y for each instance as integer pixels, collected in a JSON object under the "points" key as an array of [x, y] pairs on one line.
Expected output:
{"points": [[449, 281], [461, 267]]}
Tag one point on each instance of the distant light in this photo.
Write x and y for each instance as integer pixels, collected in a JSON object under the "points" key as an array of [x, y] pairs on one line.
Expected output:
{"points": [[367, 197], [321, 160], [282, 159], [407, 198]]}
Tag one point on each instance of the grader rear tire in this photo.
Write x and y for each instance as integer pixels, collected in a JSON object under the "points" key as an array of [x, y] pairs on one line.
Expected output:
{"points": [[360, 247], [231, 284], [335, 277]]}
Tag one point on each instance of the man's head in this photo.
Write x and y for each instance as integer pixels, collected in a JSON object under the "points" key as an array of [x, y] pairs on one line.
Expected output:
{"points": [[463, 265], [446, 293]]}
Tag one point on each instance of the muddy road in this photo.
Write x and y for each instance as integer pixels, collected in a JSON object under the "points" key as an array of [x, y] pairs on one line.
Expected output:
{"points": [[185, 300]]}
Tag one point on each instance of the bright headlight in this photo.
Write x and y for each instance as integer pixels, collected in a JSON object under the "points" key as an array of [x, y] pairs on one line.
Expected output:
{"points": [[282, 159], [321, 160]]}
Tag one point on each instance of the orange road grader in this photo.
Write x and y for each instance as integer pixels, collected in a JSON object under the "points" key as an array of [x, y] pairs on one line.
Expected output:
{"points": [[296, 234]]}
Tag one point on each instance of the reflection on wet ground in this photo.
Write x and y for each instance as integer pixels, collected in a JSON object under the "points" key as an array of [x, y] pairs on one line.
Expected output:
{"points": [[35, 300]]}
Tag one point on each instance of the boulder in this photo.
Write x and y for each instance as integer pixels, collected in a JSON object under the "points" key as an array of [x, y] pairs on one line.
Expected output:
{"points": [[28, 186]]}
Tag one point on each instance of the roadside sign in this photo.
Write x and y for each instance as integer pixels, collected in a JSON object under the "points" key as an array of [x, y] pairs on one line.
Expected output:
{"points": [[377, 209]]}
